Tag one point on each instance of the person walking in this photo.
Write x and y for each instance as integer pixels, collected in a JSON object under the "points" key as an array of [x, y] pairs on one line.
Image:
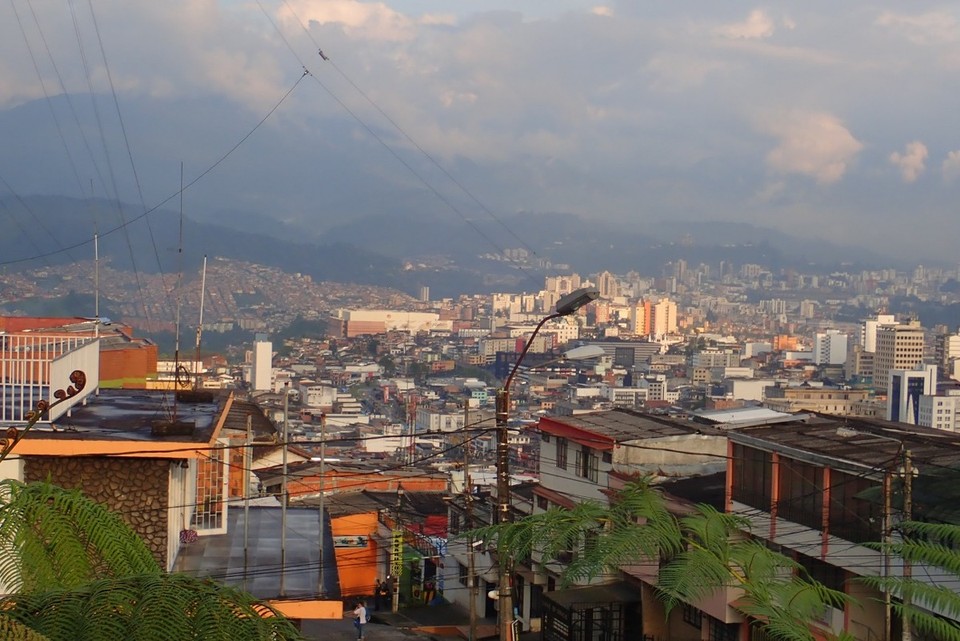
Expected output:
{"points": [[360, 618]]}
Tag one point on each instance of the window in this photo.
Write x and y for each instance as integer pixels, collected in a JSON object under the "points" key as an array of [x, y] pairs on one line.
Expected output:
{"points": [[543, 503], [720, 631], [463, 573], [545, 437], [801, 493], [587, 464], [607, 457], [692, 615], [562, 453], [752, 476]]}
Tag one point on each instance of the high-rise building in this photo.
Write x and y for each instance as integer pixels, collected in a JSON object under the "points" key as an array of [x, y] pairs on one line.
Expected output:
{"points": [[262, 367], [640, 318], [608, 285], [830, 348], [904, 389], [868, 330], [664, 317], [947, 350], [897, 347]]}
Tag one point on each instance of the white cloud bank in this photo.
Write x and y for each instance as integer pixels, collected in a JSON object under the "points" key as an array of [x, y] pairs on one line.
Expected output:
{"points": [[912, 162], [815, 144]]}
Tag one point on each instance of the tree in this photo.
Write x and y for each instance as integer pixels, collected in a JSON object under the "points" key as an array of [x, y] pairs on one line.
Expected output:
{"points": [[388, 365], [932, 545], [79, 572], [698, 554]]}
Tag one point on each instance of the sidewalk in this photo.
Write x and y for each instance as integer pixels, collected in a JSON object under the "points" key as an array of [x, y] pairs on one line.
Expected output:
{"points": [[426, 623]]}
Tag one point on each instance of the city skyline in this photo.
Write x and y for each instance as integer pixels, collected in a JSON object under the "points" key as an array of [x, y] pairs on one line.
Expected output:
{"points": [[835, 124]]}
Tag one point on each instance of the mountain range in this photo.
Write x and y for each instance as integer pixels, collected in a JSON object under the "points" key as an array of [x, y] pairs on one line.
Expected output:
{"points": [[405, 252]]}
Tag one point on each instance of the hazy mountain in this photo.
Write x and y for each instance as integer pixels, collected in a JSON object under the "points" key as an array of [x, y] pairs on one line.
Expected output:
{"points": [[405, 252], [45, 230]]}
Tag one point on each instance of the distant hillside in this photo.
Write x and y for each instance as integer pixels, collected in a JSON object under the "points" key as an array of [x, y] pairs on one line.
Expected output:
{"points": [[60, 230], [450, 256], [590, 246]]}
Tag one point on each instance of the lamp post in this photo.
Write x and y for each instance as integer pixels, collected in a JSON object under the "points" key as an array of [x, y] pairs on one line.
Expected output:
{"points": [[565, 306]]}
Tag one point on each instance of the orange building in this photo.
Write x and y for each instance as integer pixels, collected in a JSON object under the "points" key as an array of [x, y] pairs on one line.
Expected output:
{"points": [[785, 342], [304, 479]]}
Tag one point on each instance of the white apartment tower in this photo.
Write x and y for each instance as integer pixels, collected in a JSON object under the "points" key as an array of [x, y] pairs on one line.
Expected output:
{"points": [[664, 317], [262, 367], [830, 348], [898, 347], [868, 331]]}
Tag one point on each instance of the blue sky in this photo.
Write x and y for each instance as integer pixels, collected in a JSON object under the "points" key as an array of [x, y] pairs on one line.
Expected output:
{"points": [[828, 120]]}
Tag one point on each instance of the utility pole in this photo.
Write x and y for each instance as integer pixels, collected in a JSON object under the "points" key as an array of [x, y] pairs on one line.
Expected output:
{"points": [[322, 591], [247, 465], [887, 540], [283, 492], [504, 589], [468, 500], [907, 567], [397, 552]]}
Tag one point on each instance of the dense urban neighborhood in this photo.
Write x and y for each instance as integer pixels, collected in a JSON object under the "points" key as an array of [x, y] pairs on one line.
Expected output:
{"points": [[382, 458]]}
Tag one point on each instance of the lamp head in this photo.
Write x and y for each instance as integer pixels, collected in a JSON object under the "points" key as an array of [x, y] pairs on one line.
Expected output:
{"points": [[576, 299]]}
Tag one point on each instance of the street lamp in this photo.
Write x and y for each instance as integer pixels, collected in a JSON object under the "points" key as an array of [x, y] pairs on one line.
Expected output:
{"points": [[565, 306]]}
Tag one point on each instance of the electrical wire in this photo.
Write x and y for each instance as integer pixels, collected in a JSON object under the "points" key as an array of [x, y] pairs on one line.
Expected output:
{"points": [[122, 226], [383, 143]]}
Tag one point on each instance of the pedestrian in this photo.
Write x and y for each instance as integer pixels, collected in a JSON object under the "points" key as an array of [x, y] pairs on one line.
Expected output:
{"points": [[360, 618], [377, 594]]}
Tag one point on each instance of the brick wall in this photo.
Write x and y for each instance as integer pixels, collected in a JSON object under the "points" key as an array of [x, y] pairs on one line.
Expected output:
{"points": [[134, 488]]}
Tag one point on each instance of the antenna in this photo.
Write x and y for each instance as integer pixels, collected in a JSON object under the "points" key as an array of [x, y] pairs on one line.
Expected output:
{"points": [[203, 287], [176, 343], [96, 284]]}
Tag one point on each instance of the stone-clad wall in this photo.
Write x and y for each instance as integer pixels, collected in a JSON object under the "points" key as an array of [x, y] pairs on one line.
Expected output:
{"points": [[134, 488]]}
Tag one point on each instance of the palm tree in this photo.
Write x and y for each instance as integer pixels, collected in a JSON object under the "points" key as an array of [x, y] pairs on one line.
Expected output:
{"points": [[147, 607], [77, 571], [933, 545], [698, 553]]}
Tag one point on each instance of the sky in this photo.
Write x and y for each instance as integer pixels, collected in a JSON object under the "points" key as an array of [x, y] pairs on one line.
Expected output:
{"points": [[833, 121]]}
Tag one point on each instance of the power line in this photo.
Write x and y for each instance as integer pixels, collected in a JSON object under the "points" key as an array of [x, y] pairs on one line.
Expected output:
{"points": [[122, 226], [420, 178]]}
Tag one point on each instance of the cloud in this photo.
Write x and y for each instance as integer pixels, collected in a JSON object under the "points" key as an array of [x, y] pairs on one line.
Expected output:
{"points": [[951, 166], [676, 72], [373, 20], [912, 162], [602, 10], [757, 25], [932, 27], [815, 144]]}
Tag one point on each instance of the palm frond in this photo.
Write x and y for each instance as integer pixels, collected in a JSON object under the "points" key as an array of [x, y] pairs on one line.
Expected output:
{"points": [[62, 538], [15, 631], [149, 607]]}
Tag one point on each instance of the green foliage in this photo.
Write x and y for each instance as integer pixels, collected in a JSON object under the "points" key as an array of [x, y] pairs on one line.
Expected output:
{"points": [[13, 631], [63, 539], [79, 572], [149, 607], [697, 554], [930, 544]]}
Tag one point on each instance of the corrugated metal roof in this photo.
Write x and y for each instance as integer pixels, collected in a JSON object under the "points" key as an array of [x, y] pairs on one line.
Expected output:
{"points": [[622, 425]]}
